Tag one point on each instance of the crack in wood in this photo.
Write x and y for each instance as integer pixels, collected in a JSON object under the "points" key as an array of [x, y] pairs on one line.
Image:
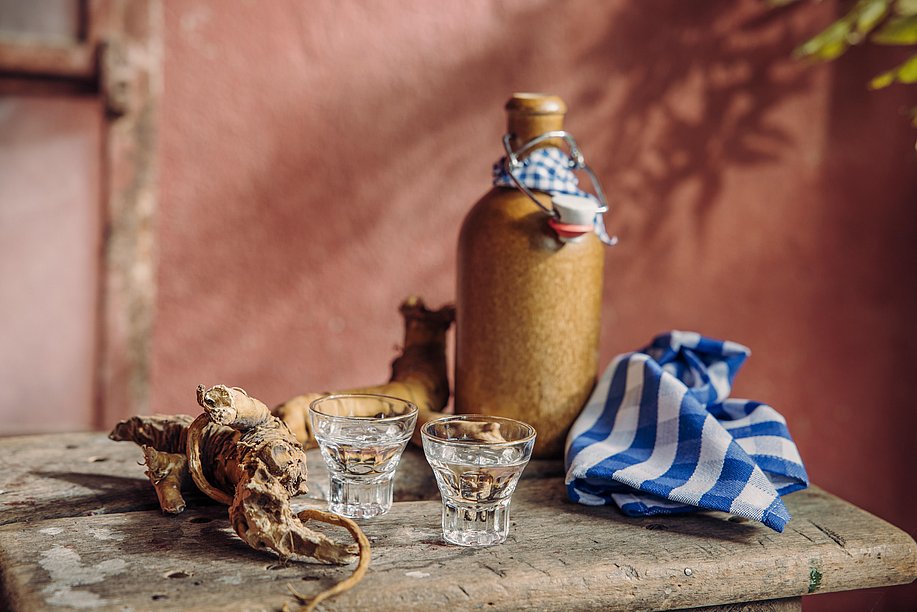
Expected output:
{"points": [[499, 572], [833, 536], [803, 534], [537, 569], [704, 548]]}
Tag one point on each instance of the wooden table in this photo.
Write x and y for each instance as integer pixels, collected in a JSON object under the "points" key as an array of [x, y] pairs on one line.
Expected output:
{"points": [[81, 529]]}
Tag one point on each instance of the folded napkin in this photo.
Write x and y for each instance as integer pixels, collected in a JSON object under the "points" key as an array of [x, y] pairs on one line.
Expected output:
{"points": [[659, 435]]}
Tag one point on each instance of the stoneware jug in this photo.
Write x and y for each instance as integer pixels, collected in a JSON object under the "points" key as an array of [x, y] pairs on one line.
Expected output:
{"points": [[528, 303]]}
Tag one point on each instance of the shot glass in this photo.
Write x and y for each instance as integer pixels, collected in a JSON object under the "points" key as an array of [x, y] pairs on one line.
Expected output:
{"points": [[361, 437], [477, 461]]}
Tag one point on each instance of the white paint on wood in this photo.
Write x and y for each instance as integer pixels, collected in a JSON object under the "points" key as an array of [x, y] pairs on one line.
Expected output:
{"points": [[104, 533], [416, 574], [67, 571], [51, 530]]}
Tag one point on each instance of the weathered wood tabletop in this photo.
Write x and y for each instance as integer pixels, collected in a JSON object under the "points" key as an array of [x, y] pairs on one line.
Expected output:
{"points": [[81, 529]]}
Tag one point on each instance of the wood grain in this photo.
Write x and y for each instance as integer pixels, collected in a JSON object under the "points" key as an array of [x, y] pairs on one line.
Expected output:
{"points": [[559, 556], [70, 475], [66, 475]]}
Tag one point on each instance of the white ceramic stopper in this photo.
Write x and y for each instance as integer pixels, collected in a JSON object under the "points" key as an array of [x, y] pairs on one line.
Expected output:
{"points": [[575, 210]]}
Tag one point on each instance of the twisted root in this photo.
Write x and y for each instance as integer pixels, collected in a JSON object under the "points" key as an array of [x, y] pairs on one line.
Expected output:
{"points": [[240, 455]]}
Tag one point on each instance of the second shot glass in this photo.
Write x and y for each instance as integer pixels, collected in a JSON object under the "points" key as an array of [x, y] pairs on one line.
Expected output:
{"points": [[477, 461], [361, 437]]}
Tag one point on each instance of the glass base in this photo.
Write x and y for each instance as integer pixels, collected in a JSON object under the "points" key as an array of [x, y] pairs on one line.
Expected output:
{"points": [[360, 499], [475, 524]]}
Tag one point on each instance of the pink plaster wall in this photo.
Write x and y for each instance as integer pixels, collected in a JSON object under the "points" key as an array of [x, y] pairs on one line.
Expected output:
{"points": [[50, 244], [317, 159]]}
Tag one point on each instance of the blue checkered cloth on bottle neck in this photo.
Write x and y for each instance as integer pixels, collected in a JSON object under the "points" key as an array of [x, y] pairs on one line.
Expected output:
{"points": [[548, 169], [660, 435]]}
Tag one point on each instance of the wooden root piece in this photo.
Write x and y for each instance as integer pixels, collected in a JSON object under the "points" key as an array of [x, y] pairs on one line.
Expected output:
{"points": [[169, 474], [241, 455], [419, 374], [358, 573]]}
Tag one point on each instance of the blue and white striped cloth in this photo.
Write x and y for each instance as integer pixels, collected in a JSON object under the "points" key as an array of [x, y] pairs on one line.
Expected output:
{"points": [[661, 436]]}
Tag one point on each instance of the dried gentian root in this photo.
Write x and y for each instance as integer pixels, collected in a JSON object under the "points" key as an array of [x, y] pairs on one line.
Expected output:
{"points": [[241, 455]]}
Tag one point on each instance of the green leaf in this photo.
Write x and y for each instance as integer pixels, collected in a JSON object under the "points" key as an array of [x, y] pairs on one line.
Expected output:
{"points": [[828, 44], [905, 73], [883, 80], [870, 14], [779, 3], [897, 31]]}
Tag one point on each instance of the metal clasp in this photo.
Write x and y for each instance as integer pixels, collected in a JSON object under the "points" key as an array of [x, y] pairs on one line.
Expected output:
{"points": [[577, 162]]}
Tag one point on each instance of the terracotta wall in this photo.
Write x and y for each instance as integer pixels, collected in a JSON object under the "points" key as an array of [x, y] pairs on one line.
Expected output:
{"points": [[317, 159], [50, 240]]}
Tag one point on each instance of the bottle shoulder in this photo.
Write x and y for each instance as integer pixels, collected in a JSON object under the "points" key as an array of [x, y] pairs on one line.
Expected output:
{"points": [[506, 203], [506, 218]]}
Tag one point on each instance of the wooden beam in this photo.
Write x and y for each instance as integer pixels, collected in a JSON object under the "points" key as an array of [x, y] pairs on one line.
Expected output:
{"points": [[44, 86], [118, 56], [130, 35], [69, 61]]}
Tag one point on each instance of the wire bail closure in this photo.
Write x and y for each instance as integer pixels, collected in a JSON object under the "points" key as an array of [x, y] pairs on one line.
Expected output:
{"points": [[512, 164]]}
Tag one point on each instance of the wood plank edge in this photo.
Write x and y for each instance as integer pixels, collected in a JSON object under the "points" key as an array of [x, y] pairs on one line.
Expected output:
{"points": [[8, 598]]}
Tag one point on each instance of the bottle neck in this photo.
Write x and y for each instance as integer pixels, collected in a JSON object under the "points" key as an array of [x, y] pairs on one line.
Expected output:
{"points": [[526, 126]]}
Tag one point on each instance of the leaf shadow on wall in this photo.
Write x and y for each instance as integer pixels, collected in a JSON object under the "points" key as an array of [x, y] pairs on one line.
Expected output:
{"points": [[699, 98], [673, 95], [677, 94]]}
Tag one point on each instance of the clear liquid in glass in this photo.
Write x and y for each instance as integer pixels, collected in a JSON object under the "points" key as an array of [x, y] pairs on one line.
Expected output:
{"points": [[361, 454], [476, 483]]}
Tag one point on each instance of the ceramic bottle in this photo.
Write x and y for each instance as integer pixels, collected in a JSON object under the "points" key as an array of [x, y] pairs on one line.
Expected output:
{"points": [[528, 303]]}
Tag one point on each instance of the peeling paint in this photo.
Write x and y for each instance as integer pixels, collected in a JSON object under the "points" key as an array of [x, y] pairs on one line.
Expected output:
{"points": [[51, 530], [67, 570], [104, 533], [416, 574]]}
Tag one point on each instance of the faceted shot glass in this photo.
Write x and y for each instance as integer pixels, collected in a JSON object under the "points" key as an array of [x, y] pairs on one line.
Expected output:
{"points": [[477, 461], [361, 437]]}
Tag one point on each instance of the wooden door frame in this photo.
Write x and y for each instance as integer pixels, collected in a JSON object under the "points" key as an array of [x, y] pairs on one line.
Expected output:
{"points": [[118, 56]]}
